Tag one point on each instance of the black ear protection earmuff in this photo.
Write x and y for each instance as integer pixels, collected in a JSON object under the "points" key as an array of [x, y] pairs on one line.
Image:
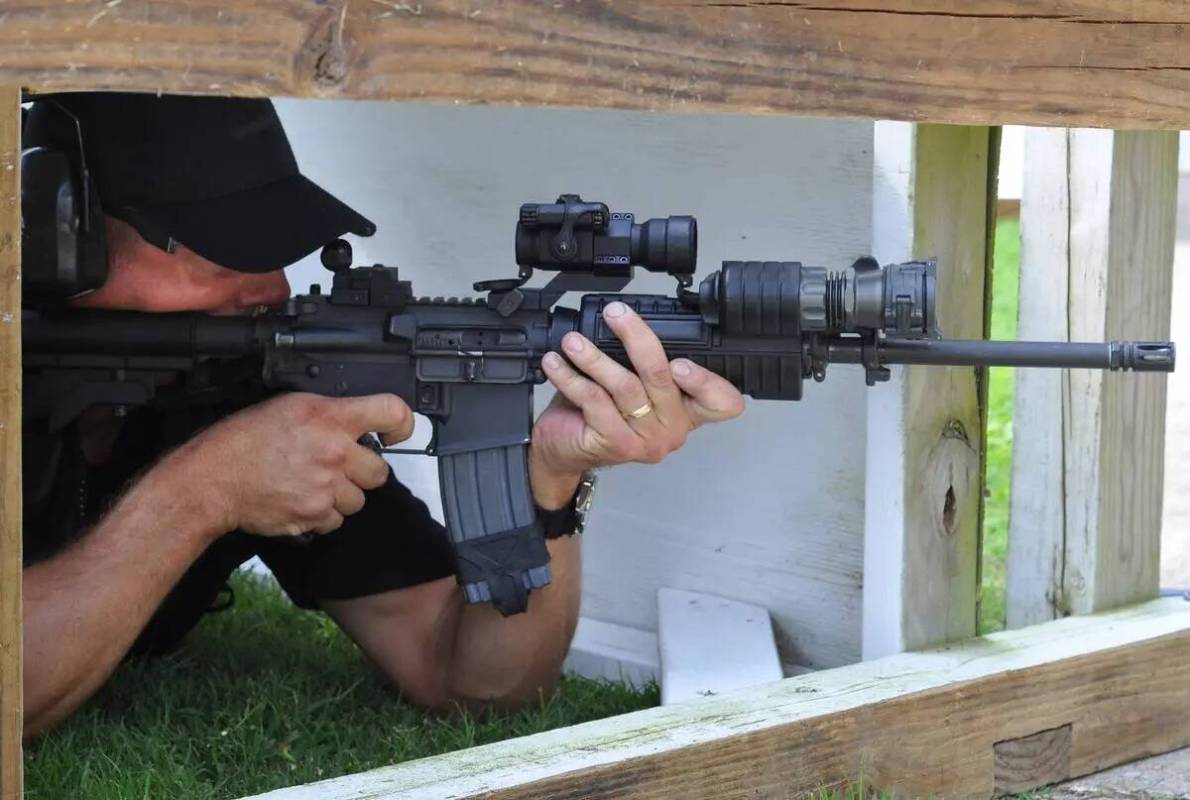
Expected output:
{"points": [[63, 247]]}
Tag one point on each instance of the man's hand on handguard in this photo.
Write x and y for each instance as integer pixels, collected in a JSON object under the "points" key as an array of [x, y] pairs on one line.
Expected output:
{"points": [[292, 465], [604, 414]]}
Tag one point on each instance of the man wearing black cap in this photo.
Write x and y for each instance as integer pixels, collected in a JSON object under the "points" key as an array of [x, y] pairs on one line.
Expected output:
{"points": [[134, 523]]}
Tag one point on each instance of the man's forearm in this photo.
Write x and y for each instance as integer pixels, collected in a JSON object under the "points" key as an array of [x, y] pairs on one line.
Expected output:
{"points": [[443, 653], [84, 607], [510, 660], [513, 659]]}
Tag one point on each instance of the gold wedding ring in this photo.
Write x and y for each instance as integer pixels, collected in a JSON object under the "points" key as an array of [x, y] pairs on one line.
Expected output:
{"points": [[638, 413]]}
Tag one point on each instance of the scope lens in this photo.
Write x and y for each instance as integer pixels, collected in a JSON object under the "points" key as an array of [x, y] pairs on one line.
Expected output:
{"points": [[666, 245]]}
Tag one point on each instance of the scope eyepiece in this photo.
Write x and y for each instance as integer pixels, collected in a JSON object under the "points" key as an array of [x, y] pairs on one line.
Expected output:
{"points": [[572, 235]]}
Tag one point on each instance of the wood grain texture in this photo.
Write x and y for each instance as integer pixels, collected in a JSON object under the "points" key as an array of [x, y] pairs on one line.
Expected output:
{"points": [[1097, 221], [925, 428], [1072, 62], [945, 423], [1030, 761], [10, 444], [1138, 298], [1037, 519], [922, 724]]}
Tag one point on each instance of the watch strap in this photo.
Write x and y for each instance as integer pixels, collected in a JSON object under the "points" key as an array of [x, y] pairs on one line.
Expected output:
{"points": [[559, 522], [571, 517]]}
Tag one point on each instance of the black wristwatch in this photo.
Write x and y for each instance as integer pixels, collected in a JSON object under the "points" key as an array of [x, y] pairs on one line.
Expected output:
{"points": [[571, 518]]}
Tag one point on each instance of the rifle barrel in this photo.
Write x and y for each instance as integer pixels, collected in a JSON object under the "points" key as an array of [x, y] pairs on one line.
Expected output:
{"points": [[1114, 356]]}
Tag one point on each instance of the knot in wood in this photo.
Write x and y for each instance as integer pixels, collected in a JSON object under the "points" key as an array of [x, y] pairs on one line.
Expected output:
{"points": [[954, 429], [948, 510], [324, 54]]}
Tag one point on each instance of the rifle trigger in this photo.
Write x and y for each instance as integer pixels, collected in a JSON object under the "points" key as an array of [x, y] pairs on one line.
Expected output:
{"points": [[405, 451], [370, 441]]}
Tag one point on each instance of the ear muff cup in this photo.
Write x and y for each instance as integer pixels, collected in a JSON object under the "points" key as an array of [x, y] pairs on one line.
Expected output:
{"points": [[63, 244]]}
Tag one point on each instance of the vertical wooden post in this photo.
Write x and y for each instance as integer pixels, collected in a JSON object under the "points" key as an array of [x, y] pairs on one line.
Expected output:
{"points": [[926, 426], [10, 444], [1098, 211]]}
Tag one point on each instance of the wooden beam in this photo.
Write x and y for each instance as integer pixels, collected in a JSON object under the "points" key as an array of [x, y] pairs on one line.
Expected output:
{"points": [[1030, 761], [10, 444], [941, 723], [925, 427], [1098, 215], [1069, 62]]}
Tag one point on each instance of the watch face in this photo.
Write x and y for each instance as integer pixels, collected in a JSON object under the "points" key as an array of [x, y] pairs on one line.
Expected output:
{"points": [[582, 501]]}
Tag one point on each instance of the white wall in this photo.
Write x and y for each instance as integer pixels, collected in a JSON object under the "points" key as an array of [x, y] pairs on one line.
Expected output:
{"points": [[768, 508]]}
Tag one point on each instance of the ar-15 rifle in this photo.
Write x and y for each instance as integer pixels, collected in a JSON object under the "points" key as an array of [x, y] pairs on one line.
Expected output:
{"points": [[470, 365]]}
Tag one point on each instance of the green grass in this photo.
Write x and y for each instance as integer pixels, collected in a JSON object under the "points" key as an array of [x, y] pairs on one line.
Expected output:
{"points": [[999, 446], [263, 696]]}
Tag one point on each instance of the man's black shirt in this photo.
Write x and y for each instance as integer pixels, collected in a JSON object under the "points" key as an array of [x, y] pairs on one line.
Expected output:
{"points": [[392, 543]]}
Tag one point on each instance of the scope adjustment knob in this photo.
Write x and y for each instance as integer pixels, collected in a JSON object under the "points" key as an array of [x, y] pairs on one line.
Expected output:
{"points": [[564, 247], [336, 255]]}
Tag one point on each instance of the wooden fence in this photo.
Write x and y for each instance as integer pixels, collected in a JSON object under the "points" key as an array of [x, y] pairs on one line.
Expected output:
{"points": [[1010, 711]]}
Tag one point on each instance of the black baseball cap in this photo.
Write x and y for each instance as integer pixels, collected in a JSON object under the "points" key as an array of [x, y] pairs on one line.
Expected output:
{"points": [[215, 174]]}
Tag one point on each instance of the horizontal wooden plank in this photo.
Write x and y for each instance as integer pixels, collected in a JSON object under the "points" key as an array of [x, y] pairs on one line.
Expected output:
{"points": [[922, 724], [1094, 63]]}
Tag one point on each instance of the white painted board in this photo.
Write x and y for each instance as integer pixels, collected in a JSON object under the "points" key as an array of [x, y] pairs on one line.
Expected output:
{"points": [[710, 645], [604, 651]]}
